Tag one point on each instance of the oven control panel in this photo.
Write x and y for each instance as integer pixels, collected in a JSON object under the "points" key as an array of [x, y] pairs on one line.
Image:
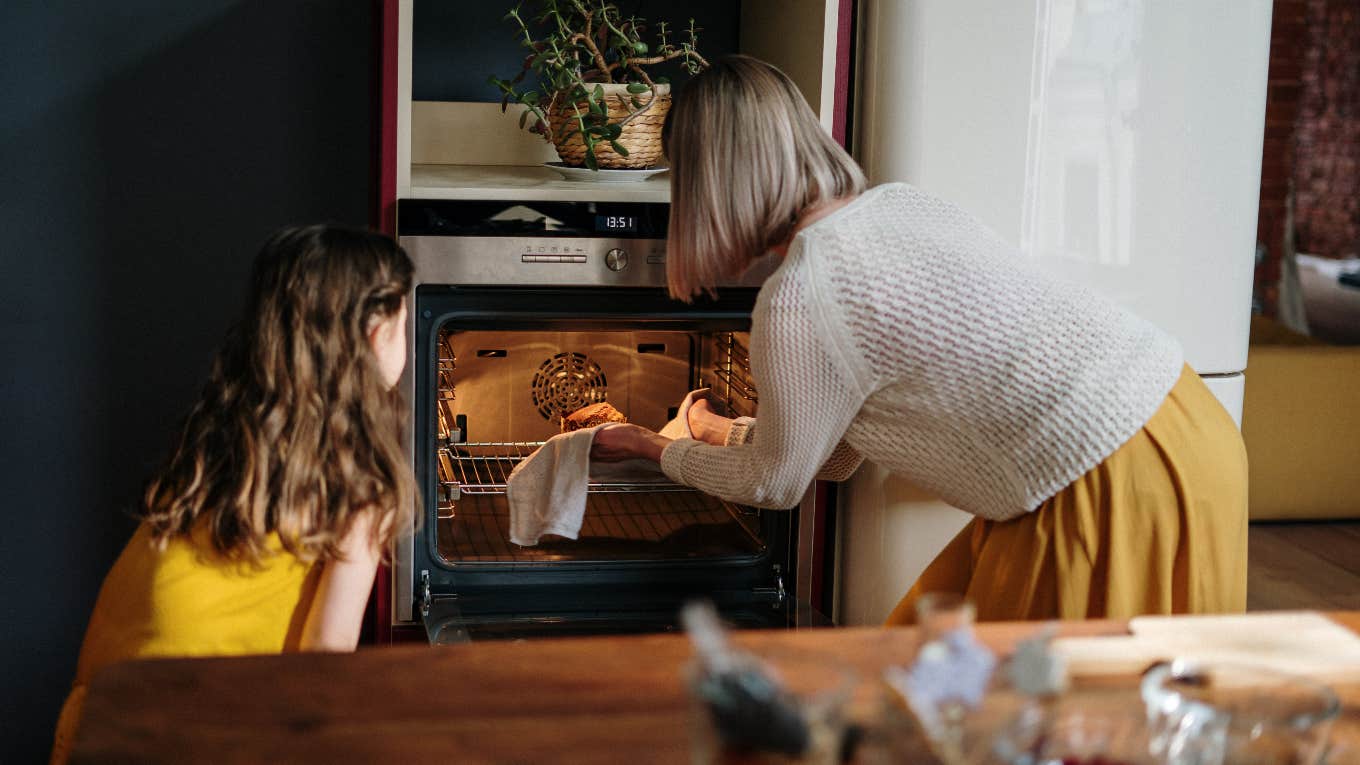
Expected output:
{"points": [[615, 258], [472, 260], [556, 243]]}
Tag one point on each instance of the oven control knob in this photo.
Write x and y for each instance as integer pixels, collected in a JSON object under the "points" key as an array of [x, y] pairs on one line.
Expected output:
{"points": [[616, 259]]}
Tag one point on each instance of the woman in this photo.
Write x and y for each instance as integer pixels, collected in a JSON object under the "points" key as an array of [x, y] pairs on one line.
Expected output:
{"points": [[263, 531], [1106, 479]]}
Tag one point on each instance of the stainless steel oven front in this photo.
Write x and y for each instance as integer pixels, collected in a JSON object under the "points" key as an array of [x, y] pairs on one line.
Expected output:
{"points": [[521, 313]]}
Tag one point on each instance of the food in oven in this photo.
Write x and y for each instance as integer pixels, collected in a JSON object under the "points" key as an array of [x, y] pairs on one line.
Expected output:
{"points": [[590, 416]]}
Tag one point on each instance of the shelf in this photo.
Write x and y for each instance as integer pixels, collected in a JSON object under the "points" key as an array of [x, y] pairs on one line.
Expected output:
{"points": [[484, 468], [511, 182], [615, 527]]}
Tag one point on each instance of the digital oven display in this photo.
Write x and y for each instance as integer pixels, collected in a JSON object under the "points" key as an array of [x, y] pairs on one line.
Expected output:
{"points": [[559, 219], [616, 224]]}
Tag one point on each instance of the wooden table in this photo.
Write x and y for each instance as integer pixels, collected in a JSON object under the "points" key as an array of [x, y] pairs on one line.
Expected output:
{"points": [[607, 700]]}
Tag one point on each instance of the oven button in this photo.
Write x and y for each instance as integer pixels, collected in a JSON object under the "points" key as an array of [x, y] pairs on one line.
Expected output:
{"points": [[616, 259]]}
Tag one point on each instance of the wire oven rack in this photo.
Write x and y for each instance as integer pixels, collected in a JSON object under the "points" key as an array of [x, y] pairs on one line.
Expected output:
{"points": [[445, 420], [636, 517], [674, 525], [483, 468], [732, 376]]}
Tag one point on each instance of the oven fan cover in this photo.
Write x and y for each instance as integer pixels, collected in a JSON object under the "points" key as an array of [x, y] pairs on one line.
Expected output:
{"points": [[566, 382]]}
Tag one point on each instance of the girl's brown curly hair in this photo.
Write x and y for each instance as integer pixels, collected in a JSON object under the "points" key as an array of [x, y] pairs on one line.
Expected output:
{"points": [[296, 431]]}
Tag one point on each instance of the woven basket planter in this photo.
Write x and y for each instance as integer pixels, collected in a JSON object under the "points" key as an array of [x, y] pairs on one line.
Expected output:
{"points": [[641, 136]]}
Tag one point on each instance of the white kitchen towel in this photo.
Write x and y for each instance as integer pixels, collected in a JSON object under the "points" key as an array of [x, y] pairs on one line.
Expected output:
{"points": [[547, 491], [679, 426]]}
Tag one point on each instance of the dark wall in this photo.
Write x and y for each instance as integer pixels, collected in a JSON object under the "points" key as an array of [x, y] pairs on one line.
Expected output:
{"points": [[146, 149], [457, 46]]}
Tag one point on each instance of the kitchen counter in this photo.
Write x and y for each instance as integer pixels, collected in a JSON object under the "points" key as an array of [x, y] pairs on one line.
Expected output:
{"points": [[609, 699]]}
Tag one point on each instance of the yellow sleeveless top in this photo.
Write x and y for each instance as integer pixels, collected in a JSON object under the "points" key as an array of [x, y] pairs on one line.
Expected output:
{"points": [[185, 601]]}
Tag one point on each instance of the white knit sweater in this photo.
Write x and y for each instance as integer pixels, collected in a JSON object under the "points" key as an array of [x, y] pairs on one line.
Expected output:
{"points": [[901, 330]]}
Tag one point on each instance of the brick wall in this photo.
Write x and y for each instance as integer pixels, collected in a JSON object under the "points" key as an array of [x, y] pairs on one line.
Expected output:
{"points": [[1327, 163], [1312, 134], [1288, 32]]}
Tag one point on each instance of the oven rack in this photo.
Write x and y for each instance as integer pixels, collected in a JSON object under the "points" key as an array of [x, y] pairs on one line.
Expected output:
{"points": [[484, 467], [732, 369], [739, 386], [673, 525]]}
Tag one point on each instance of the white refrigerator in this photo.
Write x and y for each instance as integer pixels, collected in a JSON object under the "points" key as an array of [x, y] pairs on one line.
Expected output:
{"points": [[1115, 142]]}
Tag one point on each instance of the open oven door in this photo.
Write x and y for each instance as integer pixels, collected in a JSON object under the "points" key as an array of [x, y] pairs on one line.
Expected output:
{"points": [[591, 611]]}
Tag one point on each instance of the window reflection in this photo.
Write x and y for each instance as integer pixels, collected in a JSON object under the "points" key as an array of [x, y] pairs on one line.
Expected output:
{"points": [[1084, 95]]}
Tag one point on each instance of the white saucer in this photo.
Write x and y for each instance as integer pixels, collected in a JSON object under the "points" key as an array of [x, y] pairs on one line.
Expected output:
{"points": [[603, 175]]}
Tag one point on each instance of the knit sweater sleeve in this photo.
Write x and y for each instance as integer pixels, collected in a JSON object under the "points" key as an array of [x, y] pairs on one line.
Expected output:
{"points": [[810, 391], [842, 463]]}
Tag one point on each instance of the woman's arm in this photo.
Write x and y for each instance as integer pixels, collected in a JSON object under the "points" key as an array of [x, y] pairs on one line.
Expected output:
{"points": [[712, 428], [811, 387], [337, 611], [842, 463]]}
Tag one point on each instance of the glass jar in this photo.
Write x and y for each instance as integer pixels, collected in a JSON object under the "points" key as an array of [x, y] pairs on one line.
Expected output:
{"points": [[1212, 713]]}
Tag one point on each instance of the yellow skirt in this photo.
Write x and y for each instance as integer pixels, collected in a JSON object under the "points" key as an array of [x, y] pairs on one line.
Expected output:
{"points": [[1159, 527]]}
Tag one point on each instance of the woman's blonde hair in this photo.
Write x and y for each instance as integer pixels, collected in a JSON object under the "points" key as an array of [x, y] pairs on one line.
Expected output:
{"points": [[296, 431], [747, 156]]}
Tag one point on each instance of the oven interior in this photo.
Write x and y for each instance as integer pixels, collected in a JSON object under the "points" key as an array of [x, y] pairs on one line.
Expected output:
{"points": [[496, 368], [500, 394]]}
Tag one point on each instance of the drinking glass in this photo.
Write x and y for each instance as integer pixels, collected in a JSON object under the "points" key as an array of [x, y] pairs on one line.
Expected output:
{"points": [[940, 613], [1087, 728], [1212, 713], [925, 706]]}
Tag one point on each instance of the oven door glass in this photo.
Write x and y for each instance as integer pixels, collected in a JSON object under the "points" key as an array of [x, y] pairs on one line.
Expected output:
{"points": [[500, 394]]}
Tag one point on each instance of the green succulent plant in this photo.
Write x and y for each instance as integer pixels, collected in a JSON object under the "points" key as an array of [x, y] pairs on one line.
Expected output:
{"points": [[582, 45]]}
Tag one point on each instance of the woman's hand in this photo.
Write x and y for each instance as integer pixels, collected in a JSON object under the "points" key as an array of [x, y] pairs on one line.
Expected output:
{"points": [[615, 443], [707, 425]]}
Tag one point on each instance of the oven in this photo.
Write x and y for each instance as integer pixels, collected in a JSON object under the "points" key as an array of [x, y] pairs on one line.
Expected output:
{"points": [[521, 313]]}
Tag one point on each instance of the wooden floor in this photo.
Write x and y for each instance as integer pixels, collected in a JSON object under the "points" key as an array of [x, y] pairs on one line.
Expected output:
{"points": [[1304, 565]]}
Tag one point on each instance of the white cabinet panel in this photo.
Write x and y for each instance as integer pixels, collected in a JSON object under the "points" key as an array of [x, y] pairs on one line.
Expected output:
{"points": [[890, 531], [1228, 390]]}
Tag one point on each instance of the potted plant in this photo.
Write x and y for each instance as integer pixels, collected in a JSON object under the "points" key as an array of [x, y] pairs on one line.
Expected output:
{"points": [[595, 99]]}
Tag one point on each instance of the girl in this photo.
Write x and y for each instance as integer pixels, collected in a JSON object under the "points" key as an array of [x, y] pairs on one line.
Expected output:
{"points": [[1106, 479], [264, 529]]}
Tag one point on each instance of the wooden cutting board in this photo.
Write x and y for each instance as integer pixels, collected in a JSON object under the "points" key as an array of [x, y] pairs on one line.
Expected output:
{"points": [[1302, 643]]}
